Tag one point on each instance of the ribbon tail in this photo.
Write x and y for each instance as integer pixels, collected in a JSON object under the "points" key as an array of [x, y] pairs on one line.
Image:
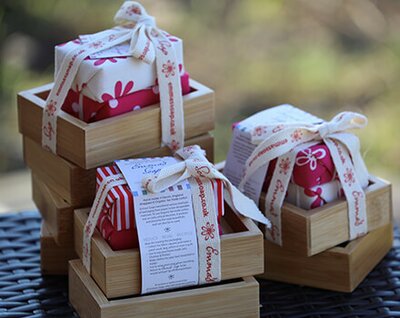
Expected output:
{"points": [[167, 177], [352, 189], [91, 222], [141, 47], [172, 118], [352, 144], [208, 239], [238, 201], [244, 206]]}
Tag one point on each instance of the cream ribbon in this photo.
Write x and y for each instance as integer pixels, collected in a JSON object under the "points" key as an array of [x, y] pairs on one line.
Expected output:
{"points": [[284, 141], [147, 43], [104, 188], [200, 172]]}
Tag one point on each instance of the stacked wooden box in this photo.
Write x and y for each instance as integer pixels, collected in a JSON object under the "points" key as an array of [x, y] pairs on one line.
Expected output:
{"points": [[316, 250], [64, 189], [116, 274], [292, 164], [66, 181]]}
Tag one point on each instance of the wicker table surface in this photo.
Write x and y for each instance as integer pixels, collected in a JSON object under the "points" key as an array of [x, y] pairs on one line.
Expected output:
{"points": [[24, 292]]}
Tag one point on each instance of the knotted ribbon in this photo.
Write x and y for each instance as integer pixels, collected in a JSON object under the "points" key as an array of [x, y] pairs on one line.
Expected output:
{"points": [[284, 141], [199, 171], [147, 43]]}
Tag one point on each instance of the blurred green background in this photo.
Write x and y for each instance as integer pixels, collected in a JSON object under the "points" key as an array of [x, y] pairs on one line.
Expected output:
{"points": [[324, 56]]}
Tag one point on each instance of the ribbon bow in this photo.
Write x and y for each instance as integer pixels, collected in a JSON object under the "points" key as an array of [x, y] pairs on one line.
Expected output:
{"points": [[147, 43], [196, 165], [200, 172], [284, 141], [133, 17]]}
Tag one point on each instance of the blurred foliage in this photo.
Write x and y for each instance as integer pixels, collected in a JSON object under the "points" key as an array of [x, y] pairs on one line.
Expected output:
{"points": [[324, 56]]}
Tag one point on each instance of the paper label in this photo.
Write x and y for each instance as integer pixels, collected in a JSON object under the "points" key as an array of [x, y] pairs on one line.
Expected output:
{"points": [[241, 147], [166, 228]]}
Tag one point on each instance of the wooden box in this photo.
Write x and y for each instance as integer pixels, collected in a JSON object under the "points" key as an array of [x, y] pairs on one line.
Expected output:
{"points": [[77, 185], [53, 257], [237, 299], [309, 232], [58, 214], [94, 144], [341, 268], [118, 273]]}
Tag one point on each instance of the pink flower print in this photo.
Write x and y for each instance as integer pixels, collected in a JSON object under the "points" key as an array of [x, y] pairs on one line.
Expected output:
{"points": [[174, 145], [88, 228], [274, 231], [133, 9], [154, 33], [170, 37], [168, 69], [85, 250], [319, 201], [349, 177], [48, 130], [137, 107], [96, 45], [51, 108], [101, 61], [284, 165], [208, 231], [308, 156], [259, 131], [189, 149], [296, 135], [277, 129], [113, 100]]}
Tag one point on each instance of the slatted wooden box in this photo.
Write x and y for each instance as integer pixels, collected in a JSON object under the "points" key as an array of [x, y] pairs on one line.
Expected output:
{"points": [[56, 212], [94, 144], [118, 273], [53, 257], [238, 299], [76, 185], [309, 232], [341, 268]]}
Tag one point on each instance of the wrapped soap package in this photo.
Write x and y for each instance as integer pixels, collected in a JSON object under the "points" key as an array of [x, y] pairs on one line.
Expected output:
{"points": [[308, 177]]}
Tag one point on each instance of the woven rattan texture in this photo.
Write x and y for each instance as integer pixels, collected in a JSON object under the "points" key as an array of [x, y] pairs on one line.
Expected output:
{"points": [[25, 293], [377, 296]]}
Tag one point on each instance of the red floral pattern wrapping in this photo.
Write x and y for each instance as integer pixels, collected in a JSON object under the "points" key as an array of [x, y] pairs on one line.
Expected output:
{"points": [[314, 197], [117, 222], [314, 166], [313, 181], [115, 103]]}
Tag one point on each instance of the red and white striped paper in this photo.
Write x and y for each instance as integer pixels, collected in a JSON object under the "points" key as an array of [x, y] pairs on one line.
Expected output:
{"points": [[117, 222]]}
